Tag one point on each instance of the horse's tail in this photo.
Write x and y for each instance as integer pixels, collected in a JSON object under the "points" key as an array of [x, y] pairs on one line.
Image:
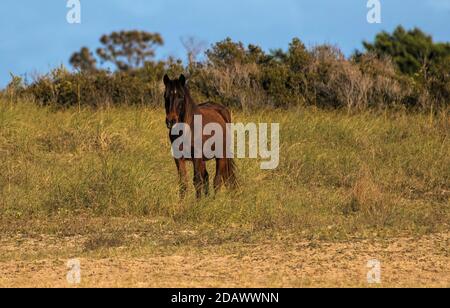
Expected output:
{"points": [[230, 176]]}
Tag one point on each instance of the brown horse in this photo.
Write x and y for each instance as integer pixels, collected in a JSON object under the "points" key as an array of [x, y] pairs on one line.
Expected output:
{"points": [[180, 108]]}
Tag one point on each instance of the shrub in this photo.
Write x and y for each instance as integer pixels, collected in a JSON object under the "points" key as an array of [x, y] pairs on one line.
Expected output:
{"points": [[14, 90], [417, 56], [439, 83], [247, 77], [234, 85], [96, 88], [385, 87]]}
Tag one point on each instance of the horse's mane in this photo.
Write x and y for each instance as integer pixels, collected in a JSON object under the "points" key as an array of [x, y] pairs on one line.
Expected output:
{"points": [[190, 105]]}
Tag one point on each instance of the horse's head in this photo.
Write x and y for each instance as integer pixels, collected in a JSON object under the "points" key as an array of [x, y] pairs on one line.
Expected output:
{"points": [[175, 100]]}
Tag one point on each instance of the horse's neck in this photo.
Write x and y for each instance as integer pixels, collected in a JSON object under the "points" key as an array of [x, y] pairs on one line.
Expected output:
{"points": [[191, 109]]}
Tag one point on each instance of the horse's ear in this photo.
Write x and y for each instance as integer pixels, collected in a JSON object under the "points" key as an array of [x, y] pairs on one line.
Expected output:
{"points": [[182, 80], [166, 80]]}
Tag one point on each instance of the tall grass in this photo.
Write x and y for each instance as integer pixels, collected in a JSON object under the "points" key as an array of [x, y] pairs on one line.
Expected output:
{"points": [[340, 174]]}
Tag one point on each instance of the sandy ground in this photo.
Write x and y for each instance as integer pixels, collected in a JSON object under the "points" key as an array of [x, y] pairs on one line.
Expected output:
{"points": [[405, 262]]}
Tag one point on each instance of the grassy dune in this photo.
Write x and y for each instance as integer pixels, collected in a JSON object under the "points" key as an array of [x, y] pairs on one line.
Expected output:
{"points": [[340, 176]]}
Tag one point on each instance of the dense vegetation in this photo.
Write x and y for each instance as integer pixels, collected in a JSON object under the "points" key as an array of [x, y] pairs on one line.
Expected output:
{"points": [[405, 69]]}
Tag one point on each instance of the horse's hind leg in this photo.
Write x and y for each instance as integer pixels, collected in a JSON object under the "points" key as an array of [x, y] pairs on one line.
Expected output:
{"points": [[220, 171]]}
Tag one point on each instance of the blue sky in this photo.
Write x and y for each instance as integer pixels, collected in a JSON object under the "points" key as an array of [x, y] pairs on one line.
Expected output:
{"points": [[35, 35]]}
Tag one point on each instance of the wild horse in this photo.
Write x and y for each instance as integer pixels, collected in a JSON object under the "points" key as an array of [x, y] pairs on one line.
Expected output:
{"points": [[181, 109]]}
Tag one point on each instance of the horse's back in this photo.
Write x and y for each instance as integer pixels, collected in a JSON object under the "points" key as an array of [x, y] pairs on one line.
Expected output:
{"points": [[221, 110]]}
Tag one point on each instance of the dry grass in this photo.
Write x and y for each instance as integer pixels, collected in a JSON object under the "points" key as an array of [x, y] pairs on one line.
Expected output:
{"points": [[340, 175]]}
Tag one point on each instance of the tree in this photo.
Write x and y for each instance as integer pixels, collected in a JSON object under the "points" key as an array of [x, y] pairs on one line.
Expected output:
{"points": [[416, 55], [227, 53], [440, 80], [83, 60], [129, 50], [193, 47], [256, 54], [298, 56], [413, 51]]}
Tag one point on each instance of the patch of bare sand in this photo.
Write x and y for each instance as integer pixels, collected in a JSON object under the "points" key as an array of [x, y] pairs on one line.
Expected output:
{"points": [[406, 262]]}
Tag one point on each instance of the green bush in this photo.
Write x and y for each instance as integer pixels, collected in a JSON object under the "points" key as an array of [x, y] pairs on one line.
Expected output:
{"points": [[140, 87], [418, 57], [247, 77]]}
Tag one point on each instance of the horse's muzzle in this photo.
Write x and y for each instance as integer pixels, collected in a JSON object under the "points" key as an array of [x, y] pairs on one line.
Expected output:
{"points": [[170, 123]]}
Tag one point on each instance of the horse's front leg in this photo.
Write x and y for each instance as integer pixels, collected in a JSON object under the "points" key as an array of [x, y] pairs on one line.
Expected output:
{"points": [[205, 177], [198, 177], [182, 173]]}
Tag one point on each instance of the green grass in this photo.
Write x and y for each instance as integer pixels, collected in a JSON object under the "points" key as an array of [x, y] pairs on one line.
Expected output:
{"points": [[340, 175]]}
